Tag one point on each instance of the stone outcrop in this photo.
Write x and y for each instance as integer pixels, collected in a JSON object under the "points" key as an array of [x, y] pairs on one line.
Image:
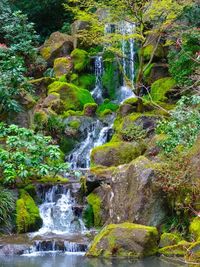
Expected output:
{"points": [[125, 240]]}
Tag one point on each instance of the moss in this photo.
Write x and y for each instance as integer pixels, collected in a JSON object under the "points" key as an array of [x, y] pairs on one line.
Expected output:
{"points": [[62, 65], [63, 78], [148, 51], [116, 153], [75, 124], [95, 202], [87, 81], [131, 101], [169, 239], [80, 59], [114, 240], [160, 87], [178, 250], [88, 216], [28, 217], [109, 79], [195, 228], [70, 113], [54, 180], [73, 97], [31, 190], [107, 106], [67, 144], [147, 72]]}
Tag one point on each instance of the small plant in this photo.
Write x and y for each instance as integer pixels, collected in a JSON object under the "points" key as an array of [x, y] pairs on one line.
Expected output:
{"points": [[133, 133], [7, 207]]}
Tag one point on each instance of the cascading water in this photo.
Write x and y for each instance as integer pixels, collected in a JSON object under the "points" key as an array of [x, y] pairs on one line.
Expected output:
{"points": [[128, 51], [97, 92]]}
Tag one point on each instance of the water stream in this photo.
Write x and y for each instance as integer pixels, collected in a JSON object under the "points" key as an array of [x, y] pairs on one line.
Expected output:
{"points": [[63, 228]]}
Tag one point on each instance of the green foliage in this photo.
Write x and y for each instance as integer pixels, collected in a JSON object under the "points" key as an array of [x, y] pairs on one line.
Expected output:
{"points": [[28, 216], [133, 133], [94, 202], [26, 155], [87, 81], [7, 207], [183, 126], [107, 106], [88, 216], [48, 16], [183, 61]]}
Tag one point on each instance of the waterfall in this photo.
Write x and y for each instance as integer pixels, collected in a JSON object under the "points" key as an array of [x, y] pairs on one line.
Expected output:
{"points": [[97, 92], [98, 133], [58, 202]]}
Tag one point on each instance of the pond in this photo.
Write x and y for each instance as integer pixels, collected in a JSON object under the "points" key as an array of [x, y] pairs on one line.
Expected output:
{"points": [[64, 260]]}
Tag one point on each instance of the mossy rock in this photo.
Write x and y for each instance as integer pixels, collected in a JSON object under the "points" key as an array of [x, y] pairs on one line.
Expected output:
{"points": [[41, 85], [75, 124], [116, 153], [148, 51], [94, 202], [72, 96], [90, 109], [54, 180], [58, 45], [169, 239], [125, 240], [107, 106], [195, 228], [193, 254], [27, 214], [160, 88], [87, 81], [178, 250], [62, 66], [80, 59]]}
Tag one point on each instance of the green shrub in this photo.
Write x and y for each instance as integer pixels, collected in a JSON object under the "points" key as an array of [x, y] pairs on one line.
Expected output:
{"points": [[26, 155]]}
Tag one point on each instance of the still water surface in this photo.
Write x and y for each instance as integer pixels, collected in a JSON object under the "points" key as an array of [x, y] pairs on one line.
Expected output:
{"points": [[62, 260]]}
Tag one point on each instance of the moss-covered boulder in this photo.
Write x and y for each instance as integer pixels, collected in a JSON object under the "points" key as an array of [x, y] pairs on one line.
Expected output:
{"points": [[90, 109], [131, 194], [161, 87], [27, 214], [125, 240], [195, 228], [73, 97], [80, 59], [87, 81], [169, 239], [116, 153], [178, 250], [58, 45], [41, 85], [193, 254], [62, 66]]}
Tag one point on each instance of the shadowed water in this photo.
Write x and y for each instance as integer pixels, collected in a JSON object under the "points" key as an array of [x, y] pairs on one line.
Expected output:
{"points": [[62, 260]]}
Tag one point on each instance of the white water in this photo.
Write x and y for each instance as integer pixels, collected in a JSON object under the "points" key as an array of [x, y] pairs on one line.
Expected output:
{"points": [[97, 92], [58, 215], [128, 51]]}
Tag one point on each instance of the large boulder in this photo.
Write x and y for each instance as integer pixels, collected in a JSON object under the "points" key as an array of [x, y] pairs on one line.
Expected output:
{"points": [[125, 240], [62, 66], [72, 96], [58, 45], [116, 153], [131, 194]]}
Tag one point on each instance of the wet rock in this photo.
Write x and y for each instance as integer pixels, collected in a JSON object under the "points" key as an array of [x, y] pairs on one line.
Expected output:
{"points": [[58, 45], [13, 249], [125, 240], [126, 109]]}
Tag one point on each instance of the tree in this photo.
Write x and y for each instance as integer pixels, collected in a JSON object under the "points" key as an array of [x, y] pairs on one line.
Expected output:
{"points": [[152, 19]]}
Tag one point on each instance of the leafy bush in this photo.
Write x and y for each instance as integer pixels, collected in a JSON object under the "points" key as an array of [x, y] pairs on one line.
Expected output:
{"points": [[183, 126], [7, 207], [26, 155]]}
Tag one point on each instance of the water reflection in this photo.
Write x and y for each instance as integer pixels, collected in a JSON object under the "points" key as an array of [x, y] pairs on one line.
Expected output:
{"points": [[56, 260]]}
